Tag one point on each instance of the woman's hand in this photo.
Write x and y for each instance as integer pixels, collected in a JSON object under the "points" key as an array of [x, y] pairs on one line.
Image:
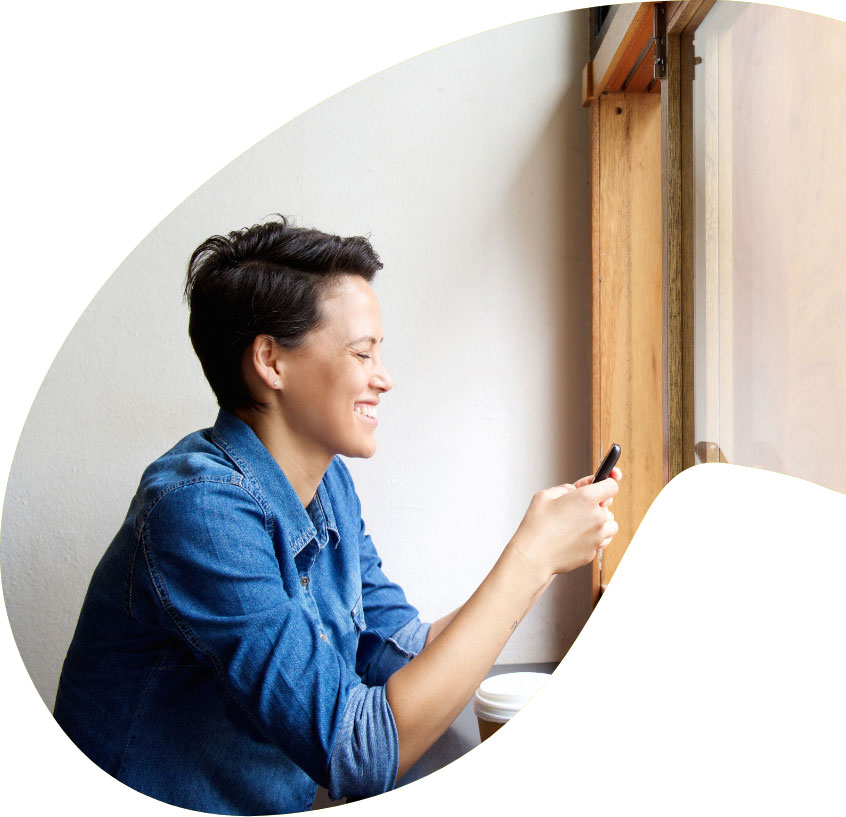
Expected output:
{"points": [[617, 474], [567, 525], [563, 528]]}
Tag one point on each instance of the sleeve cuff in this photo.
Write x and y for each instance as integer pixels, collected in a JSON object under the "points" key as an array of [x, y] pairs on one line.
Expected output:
{"points": [[411, 637], [365, 756], [397, 651]]}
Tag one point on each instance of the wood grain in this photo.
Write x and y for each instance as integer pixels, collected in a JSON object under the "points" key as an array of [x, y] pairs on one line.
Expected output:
{"points": [[685, 332], [641, 80], [628, 332], [673, 247], [687, 15], [587, 85], [595, 245], [635, 41], [617, 54]]}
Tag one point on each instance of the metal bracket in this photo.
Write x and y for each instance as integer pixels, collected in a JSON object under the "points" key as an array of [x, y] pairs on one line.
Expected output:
{"points": [[659, 35]]}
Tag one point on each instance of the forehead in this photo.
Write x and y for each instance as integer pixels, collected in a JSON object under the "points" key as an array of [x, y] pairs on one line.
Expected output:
{"points": [[350, 309]]}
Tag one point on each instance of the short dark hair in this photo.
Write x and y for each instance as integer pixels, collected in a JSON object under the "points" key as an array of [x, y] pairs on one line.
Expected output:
{"points": [[268, 279]]}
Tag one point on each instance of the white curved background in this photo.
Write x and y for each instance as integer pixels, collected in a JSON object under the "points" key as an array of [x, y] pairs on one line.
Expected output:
{"points": [[107, 140]]}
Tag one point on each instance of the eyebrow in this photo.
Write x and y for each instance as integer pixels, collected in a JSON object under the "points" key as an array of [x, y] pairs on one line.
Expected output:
{"points": [[368, 338]]}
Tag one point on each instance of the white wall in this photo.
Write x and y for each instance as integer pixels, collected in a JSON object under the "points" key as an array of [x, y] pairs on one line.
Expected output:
{"points": [[468, 167]]}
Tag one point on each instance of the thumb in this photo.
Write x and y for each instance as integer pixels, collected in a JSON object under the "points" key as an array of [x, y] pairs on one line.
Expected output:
{"points": [[559, 490]]}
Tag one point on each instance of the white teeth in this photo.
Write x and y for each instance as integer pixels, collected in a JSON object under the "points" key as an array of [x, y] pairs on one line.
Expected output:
{"points": [[366, 410]]}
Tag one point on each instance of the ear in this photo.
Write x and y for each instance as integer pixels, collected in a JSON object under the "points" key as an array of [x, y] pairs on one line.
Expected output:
{"points": [[264, 361]]}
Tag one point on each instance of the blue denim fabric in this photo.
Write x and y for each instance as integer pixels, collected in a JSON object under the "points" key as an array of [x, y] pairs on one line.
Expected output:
{"points": [[233, 646]]}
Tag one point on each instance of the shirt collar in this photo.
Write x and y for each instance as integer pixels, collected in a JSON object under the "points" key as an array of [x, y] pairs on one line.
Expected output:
{"points": [[326, 503], [248, 453]]}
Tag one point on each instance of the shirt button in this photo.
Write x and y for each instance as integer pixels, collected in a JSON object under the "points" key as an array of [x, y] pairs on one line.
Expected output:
{"points": [[323, 636], [304, 581]]}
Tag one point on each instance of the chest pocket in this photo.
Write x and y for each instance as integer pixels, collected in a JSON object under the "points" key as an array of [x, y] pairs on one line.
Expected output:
{"points": [[357, 614]]}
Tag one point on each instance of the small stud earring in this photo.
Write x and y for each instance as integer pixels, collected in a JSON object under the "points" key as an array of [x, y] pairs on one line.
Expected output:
{"points": [[275, 384]]}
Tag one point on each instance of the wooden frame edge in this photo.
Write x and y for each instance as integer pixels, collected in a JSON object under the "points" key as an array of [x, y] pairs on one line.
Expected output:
{"points": [[677, 202], [685, 16], [623, 28], [596, 397], [588, 95]]}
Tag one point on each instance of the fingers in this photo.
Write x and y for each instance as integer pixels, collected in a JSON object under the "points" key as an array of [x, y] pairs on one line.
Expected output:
{"points": [[609, 530], [601, 491], [559, 490], [616, 473]]}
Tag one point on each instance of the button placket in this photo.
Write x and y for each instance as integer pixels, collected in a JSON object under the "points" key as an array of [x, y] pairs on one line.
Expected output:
{"points": [[306, 559]]}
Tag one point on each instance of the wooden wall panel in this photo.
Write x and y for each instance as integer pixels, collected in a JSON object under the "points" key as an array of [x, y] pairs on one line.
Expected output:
{"points": [[628, 391], [774, 240]]}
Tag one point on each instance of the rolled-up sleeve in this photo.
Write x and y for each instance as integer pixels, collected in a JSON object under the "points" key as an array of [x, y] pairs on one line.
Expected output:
{"points": [[366, 741], [394, 632], [216, 583]]}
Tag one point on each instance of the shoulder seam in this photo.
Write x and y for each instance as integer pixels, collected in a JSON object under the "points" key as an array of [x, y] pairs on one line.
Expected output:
{"points": [[237, 480], [141, 523]]}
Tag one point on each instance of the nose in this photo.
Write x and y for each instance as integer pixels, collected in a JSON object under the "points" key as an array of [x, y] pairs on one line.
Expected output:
{"points": [[382, 379]]}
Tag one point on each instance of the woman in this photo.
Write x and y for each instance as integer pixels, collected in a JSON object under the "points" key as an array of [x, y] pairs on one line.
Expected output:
{"points": [[239, 642]]}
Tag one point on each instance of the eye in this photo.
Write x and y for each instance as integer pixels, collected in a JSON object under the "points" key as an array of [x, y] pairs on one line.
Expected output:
{"points": [[362, 355]]}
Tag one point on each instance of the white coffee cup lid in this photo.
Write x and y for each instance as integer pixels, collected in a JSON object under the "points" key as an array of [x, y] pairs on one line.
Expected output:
{"points": [[500, 697]]}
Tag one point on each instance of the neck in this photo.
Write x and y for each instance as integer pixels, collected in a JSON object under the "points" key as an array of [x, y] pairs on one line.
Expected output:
{"points": [[303, 467]]}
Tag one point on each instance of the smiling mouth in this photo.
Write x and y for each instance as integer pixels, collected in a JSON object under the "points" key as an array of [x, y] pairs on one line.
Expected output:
{"points": [[367, 413]]}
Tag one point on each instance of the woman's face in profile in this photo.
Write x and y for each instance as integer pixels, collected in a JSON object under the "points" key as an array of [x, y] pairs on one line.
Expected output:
{"points": [[332, 383]]}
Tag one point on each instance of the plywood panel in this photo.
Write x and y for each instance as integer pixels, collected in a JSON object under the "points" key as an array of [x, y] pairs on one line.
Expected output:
{"points": [[628, 329], [775, 199], [789, 243]]}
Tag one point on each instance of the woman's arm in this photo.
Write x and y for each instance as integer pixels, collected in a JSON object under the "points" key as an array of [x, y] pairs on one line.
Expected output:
{"points": [[437, 627], [563, 529]]}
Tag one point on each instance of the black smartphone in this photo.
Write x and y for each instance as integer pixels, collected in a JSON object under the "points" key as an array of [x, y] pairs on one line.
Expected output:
{"points": [[604, 470]]}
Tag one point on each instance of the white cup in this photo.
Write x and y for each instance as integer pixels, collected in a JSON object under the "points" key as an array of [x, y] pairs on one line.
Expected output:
{"points": [[500, 697]]}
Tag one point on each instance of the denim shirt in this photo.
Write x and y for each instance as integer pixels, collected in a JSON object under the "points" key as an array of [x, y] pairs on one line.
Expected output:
{"points": [[233, 647]]}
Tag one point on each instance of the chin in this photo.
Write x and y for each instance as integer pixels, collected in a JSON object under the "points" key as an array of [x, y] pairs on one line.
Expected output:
{"points": [[362, 452]]}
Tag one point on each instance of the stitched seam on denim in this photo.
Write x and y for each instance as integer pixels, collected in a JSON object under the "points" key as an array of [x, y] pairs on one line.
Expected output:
{"points": [[304, 537], [135, 716], [238, 480], [402, 650], [331, 524], [357, 612], [127, 584], [233, 454], [248, 472], [190, 636], [326, 527], [130, 568]]}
